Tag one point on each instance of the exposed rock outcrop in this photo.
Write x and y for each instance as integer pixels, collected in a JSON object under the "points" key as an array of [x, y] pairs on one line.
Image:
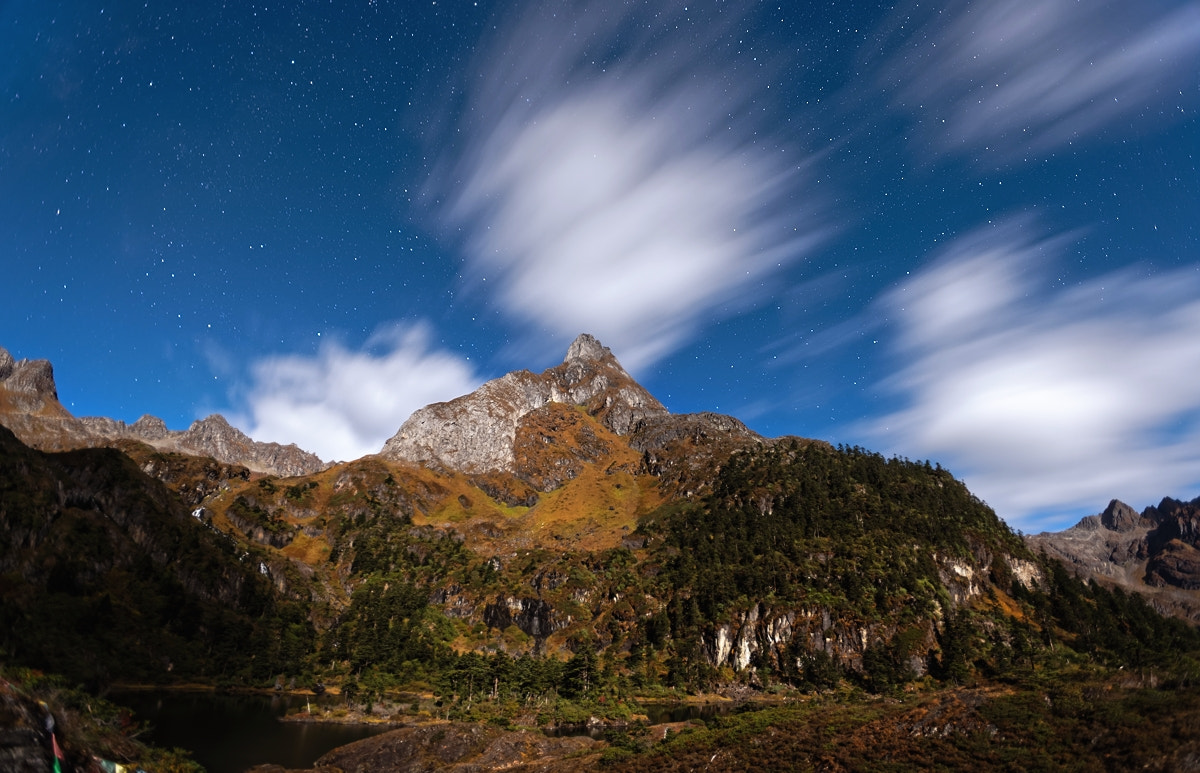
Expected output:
{"points": [[462, 746], [24, 741], [685, 450], [27, 387], [476, 433], [534, 617]]}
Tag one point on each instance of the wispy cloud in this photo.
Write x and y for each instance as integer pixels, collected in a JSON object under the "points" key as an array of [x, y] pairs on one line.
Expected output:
{"points": [[999, 79], [612, 180], [342, 404], [1047, 402]]}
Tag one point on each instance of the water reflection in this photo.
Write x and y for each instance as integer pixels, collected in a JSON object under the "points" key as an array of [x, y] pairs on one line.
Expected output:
{"points": [[659, 713], [229, 733]]}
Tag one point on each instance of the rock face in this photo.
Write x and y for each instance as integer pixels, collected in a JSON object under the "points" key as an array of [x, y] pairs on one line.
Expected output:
{"points": [[684, 450], [477, 433], [1156, 553], [29, 406], [215, 437], [27, 386]]}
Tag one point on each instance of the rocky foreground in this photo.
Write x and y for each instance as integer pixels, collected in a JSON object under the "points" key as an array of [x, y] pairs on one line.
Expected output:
{"points": [[458, 747]]}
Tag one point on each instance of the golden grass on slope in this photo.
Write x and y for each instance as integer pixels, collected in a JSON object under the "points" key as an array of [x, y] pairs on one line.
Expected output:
{"points": [[310, 550], [595, 511], [596, 502], [595, 506], [1008, 606]]}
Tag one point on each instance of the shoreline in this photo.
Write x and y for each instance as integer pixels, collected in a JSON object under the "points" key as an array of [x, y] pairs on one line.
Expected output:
{"points": [[202, 687], [344, 715]]}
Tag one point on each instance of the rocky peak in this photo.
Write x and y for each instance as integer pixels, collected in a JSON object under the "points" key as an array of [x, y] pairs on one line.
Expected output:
{"points": [[27, 386], [586, 347], [1119, 516], [1156, 553], [29, 406], [476, 433], [32, 377], [149, 428], [214, 436]]}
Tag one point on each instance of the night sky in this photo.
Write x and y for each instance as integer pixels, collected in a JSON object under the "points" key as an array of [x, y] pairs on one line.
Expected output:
{"points": [[967, 232]]}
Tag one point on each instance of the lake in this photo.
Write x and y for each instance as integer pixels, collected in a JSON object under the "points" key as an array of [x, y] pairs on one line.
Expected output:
{"points": [[229, 733]]}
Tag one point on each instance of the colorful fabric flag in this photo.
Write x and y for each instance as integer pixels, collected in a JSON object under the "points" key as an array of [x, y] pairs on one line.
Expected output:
{"points": [[59, 757]]}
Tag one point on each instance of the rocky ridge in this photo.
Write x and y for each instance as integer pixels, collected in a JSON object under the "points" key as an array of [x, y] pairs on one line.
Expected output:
{"points": [[500, 427], [476, 433], [1155, 552], [29, 406]]}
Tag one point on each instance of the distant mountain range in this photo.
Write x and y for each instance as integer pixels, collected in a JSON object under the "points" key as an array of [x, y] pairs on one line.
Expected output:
{"points": [[29, 406], [1155, 553]]}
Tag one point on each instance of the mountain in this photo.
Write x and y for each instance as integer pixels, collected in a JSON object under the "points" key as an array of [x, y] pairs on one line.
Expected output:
{"points": [[1155, 553], [553, 546], [478, 432], [29, 406], [539, 429]]}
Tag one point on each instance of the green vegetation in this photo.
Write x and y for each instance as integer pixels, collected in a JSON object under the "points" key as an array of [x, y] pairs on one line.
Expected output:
{"points": [[110, 579], [878, 595], [834, 541], [1068, 719]]}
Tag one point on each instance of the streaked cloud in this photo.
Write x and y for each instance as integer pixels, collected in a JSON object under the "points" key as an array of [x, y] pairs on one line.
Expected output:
{"points": [[996, 80], [613, 180], [1047, 401], [342, 404]]}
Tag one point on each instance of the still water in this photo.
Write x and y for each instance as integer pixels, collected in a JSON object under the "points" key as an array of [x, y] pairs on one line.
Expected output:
{"points": [[229, 733]]}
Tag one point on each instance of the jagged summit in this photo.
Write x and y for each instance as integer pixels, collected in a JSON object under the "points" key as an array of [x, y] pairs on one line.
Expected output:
{"points": [[29, 406], [586, 347], [1155, 552], [476, 433], [27, 386], [1119, 517]]}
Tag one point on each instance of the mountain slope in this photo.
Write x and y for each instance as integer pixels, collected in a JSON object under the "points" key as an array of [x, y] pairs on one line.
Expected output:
{"points": [[105, 575], [561, 534]]}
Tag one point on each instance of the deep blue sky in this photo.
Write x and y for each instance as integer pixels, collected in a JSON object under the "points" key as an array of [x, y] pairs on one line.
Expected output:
{"points": [[961, 231]]}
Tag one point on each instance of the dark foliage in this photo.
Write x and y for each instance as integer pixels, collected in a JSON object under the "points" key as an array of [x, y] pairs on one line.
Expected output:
{"points": [[106, 576]]}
